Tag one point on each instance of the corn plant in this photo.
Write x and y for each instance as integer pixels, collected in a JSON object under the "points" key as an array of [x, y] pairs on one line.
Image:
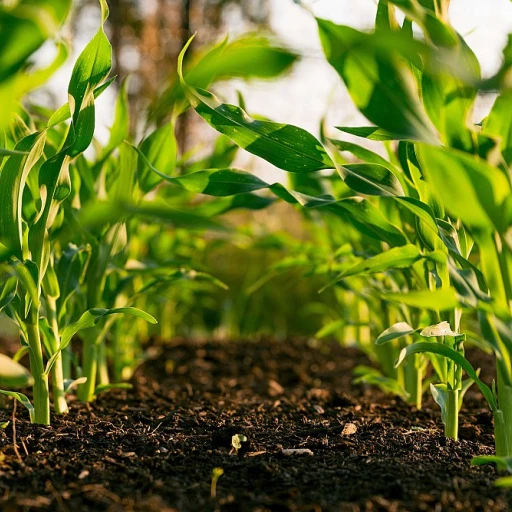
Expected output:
{"points": [[36, 176], [72, 229], [420, 94]]}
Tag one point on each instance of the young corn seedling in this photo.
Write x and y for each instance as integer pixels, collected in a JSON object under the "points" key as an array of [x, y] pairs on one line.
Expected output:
{"points": [[36, 174], [449, 392]]}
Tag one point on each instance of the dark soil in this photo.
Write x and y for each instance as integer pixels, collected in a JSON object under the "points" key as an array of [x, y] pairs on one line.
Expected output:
{"points": [[154, 448]]}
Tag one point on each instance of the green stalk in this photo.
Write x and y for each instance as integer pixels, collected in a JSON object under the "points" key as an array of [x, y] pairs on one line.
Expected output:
{"points": [[66, 362], [102, 376], [501, 438], [418, 399], [87, 390], [40, 388], [94, 363], [413, 383], [451, 427], [505, 405], [386, 356], [59, 396]]}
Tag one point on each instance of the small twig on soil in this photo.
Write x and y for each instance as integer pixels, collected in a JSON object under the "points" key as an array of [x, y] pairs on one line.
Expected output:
{"points": [[24, 447], [15, 446]]}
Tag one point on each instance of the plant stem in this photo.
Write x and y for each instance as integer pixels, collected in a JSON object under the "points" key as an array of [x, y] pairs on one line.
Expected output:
{"points": [[501, 439], [59, 396], [102, 376], [505, 405], [66, 363], [90, 368], [413, 382], [40, 388], [451, 428], [419, 386]]}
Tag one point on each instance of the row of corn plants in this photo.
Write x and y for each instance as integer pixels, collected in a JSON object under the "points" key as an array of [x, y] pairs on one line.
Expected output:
{"points": [[90, 245], [412, 241], [422, 253]]}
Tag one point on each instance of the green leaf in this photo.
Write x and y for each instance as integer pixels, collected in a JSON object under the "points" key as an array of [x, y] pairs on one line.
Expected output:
{"points": [[24, 28], [440, 395], [397, 257], [91, 68], [427, 17], [331, 328], [28, 275], [371, 179], [468, 187], [250, 56], [371, 133], [437, 300], [159, 151], [502, 463], [63, 113], [361, 153], [120, 129], [22, 399], [216, 182], [288, 147], [9, 152], [98, 214], [368, 219], [102, 388], [69, 269], [8, 290], [223, 182], [395, 332], [12, 182], [182, 274], [499, 124], [505, 481], [70, 384], [372, 376], [381, 85], [456, 357], [13, 375], [89, 319]]}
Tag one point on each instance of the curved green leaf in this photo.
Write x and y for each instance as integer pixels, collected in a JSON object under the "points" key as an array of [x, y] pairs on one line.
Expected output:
{"points": [[397, 257], [89, 319], [22, 399], [436, 300], [468, 187], [371, 133], [457, 358], [13, 375], [381, 85], [396, 331], [371, 179], [288, 147]]}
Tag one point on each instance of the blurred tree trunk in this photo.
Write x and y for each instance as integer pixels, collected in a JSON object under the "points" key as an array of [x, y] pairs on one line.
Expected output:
{"points": [[186, 33], [147, 37]]}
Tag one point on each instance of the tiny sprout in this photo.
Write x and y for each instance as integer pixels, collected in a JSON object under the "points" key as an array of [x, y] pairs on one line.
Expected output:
{"points": [[237, 440], [216, 474], [4, 424]]}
